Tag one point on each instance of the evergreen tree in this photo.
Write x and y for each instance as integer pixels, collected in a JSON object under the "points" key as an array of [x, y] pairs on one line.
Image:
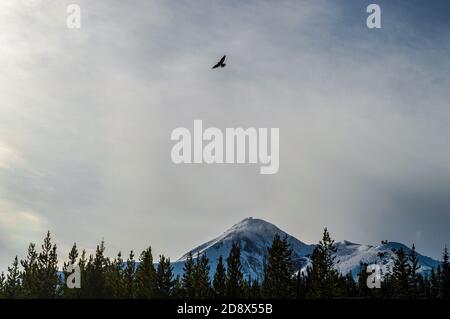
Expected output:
{"points": [[129, 274], [48, 269], [145, 275], [401, 274], [323, 278], [82, 263], [219, 279], [115, 283], [201, 282], [66, 291], [2, 285], [164, 278], [445, 275], [95, 283], [235, 278], [278, 282], [188, 277], [29, 275], [11, 284], [413, 274]]}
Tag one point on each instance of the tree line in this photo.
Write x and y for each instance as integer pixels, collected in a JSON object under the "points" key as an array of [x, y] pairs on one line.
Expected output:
{"points": [[38, 276]]}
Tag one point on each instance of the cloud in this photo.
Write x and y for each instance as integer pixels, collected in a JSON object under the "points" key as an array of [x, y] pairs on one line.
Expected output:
{"points": [[17, 229]]}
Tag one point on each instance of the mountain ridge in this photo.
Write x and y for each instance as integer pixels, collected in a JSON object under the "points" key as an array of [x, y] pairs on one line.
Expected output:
{"points": [[255, 235]]}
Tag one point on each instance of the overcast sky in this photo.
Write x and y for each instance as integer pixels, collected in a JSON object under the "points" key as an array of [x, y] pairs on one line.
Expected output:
{"points": [[86, 117]]}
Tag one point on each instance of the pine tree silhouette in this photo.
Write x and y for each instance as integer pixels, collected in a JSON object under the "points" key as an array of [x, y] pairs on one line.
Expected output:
{"points": [[73, 256], [188, 277], [48, 279], [323, 278], [278, 275], [129, 274], [11, 284], [201, 282], [164, 278], [445, 275], [413, 269], [145, 276], [115, 283], [95, 275], [2, 285], [29, 276], [235, 278], [401, 275], [219, 279]]}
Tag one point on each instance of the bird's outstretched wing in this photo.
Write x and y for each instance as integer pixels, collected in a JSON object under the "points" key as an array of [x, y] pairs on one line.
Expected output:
{"points": [[220, 63]]}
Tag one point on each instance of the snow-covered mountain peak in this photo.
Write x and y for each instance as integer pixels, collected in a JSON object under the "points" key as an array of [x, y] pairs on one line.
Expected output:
{"points": [[252, 227], [254, 236]]}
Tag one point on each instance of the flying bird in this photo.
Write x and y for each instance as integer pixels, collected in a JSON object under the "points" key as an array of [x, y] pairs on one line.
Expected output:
{"points": [[220, 63]]}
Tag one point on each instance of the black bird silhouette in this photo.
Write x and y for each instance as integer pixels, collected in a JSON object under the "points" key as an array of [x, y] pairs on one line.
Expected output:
{"points": [[220, 63]]}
